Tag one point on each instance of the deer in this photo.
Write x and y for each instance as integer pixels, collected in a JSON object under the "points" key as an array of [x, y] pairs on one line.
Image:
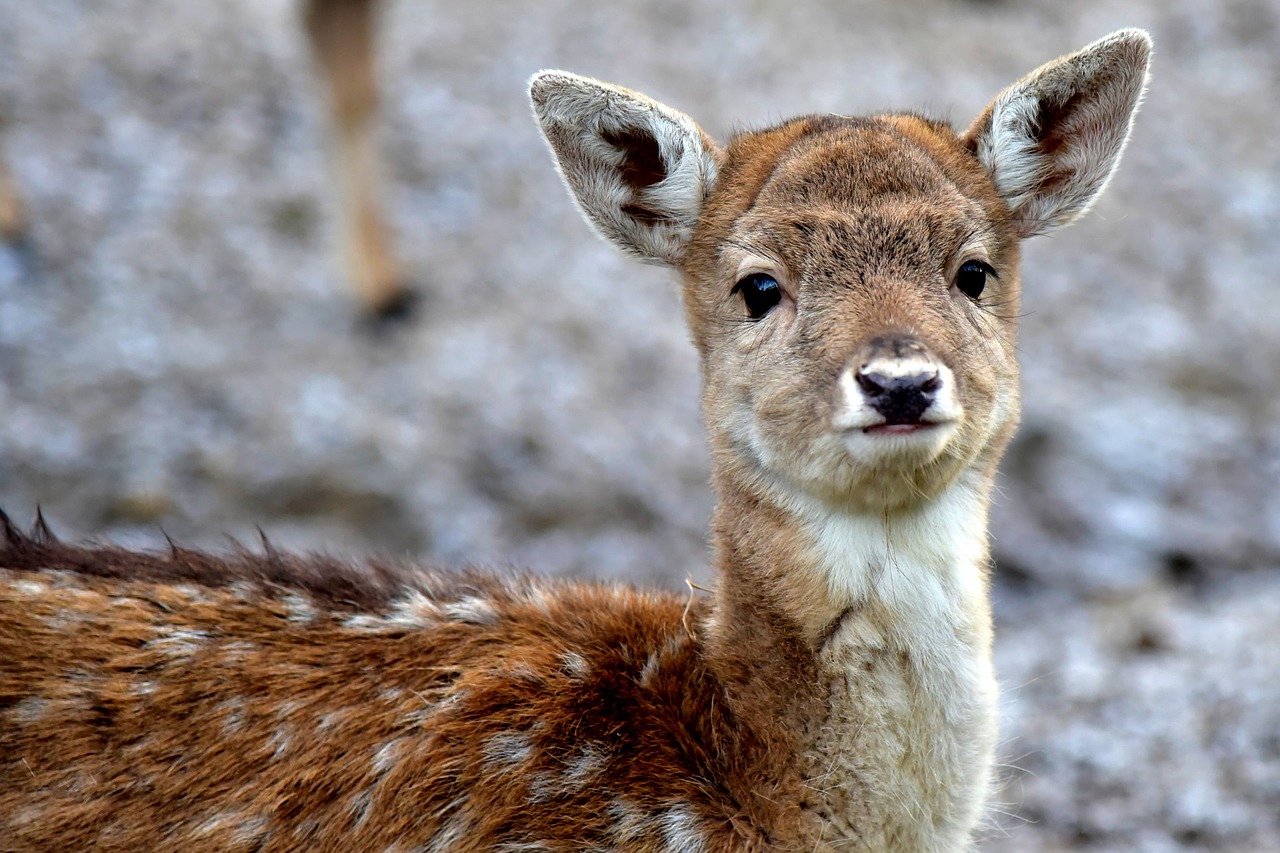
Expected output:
{"points": [[851, 285]]}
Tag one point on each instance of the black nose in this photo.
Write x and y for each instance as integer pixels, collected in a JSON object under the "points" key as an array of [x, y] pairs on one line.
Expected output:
{"points": [[901, 399]]}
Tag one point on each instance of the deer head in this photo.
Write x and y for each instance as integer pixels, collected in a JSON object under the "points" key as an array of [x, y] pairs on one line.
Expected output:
{"points": [[851, 283]]}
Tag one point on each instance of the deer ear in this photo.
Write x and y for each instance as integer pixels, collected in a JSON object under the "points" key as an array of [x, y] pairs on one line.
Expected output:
{"points": [[640, 171], [1052, 140]]}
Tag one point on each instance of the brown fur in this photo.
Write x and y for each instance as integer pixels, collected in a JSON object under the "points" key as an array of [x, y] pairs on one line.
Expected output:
{"points": [[262, 730]]}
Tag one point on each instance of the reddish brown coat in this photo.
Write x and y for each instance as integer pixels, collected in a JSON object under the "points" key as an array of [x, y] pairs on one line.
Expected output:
{"points": [[269, 702]]}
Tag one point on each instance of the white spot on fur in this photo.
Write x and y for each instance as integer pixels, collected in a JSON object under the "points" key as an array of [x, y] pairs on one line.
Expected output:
{"points": [[29, 710], [389, 755], [35, 814], [541, 598], [281, 740], [455, 829], [585, 766], [299, 609], [423, 611], [67, 619], [654, 662], [180, 643], [192, 592], [575, 664], [358, 806], [309, 827], [507, 749], [28, 587], [681, 832], [287, 708], [525, 673], [243, 828], [424, 713], [544, 787], [237, 651], [232, 713], [365, 623], [627, 820], [472, 610], [335, 718], [245, 591], [414, 612]]}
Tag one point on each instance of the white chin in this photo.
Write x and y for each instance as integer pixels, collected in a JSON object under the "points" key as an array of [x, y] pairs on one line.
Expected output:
{"points": [[886, 445]]}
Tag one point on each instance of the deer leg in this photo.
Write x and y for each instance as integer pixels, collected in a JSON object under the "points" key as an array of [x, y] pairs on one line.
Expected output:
{"points": [[14, 226], [342, 36], [13, 219]]}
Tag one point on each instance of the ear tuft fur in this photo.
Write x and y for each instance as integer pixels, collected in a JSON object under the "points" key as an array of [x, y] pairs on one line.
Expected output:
{"points": [[1052, 140], [639, 171]]}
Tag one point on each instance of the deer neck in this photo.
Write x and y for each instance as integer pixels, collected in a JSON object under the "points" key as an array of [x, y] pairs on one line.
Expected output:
{"points": [[869, 638]]}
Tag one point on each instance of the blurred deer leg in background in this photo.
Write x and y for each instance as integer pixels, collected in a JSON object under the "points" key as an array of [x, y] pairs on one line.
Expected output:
{"points": [[342, 36], [15, 235], [13, 220]]}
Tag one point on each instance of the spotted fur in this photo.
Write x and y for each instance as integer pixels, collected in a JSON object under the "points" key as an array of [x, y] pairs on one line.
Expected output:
{"points": [[268, 702]]}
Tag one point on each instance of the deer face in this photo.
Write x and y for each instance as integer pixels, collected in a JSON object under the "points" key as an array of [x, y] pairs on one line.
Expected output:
{"points": [[852, 284], [853, 287]]}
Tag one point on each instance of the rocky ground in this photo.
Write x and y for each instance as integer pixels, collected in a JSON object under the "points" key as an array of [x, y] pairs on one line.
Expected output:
{"points": [[178, 350]]}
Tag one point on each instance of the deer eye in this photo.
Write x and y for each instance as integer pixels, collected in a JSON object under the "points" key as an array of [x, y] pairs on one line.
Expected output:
{"points": [[972, 278], [760, 292]]}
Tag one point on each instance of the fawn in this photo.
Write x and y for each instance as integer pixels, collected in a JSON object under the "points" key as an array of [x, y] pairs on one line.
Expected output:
{"points": [[852, 287]]}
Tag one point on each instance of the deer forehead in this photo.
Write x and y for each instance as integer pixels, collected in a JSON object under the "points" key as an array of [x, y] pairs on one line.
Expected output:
{"points": [[854, 161], [842, 201], [850, 164]]}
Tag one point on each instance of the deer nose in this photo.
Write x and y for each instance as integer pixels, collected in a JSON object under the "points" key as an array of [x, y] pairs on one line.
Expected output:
{"points": [[902, 398], [898, 376]]}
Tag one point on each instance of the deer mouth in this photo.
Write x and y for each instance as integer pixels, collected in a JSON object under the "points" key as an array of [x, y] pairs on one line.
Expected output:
{"points": [[904, 427], [899, 429], [894, 443]]}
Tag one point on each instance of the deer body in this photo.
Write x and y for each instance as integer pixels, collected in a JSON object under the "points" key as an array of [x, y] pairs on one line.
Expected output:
{"points": [[852, 288]]}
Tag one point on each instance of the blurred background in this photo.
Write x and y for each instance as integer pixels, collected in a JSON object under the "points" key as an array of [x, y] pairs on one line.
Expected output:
{"points": [[180, 350]]}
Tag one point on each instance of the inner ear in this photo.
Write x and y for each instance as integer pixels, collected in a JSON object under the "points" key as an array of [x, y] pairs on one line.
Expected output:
{"points": [[641, 167], [642, 164], [1052, 122]]}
